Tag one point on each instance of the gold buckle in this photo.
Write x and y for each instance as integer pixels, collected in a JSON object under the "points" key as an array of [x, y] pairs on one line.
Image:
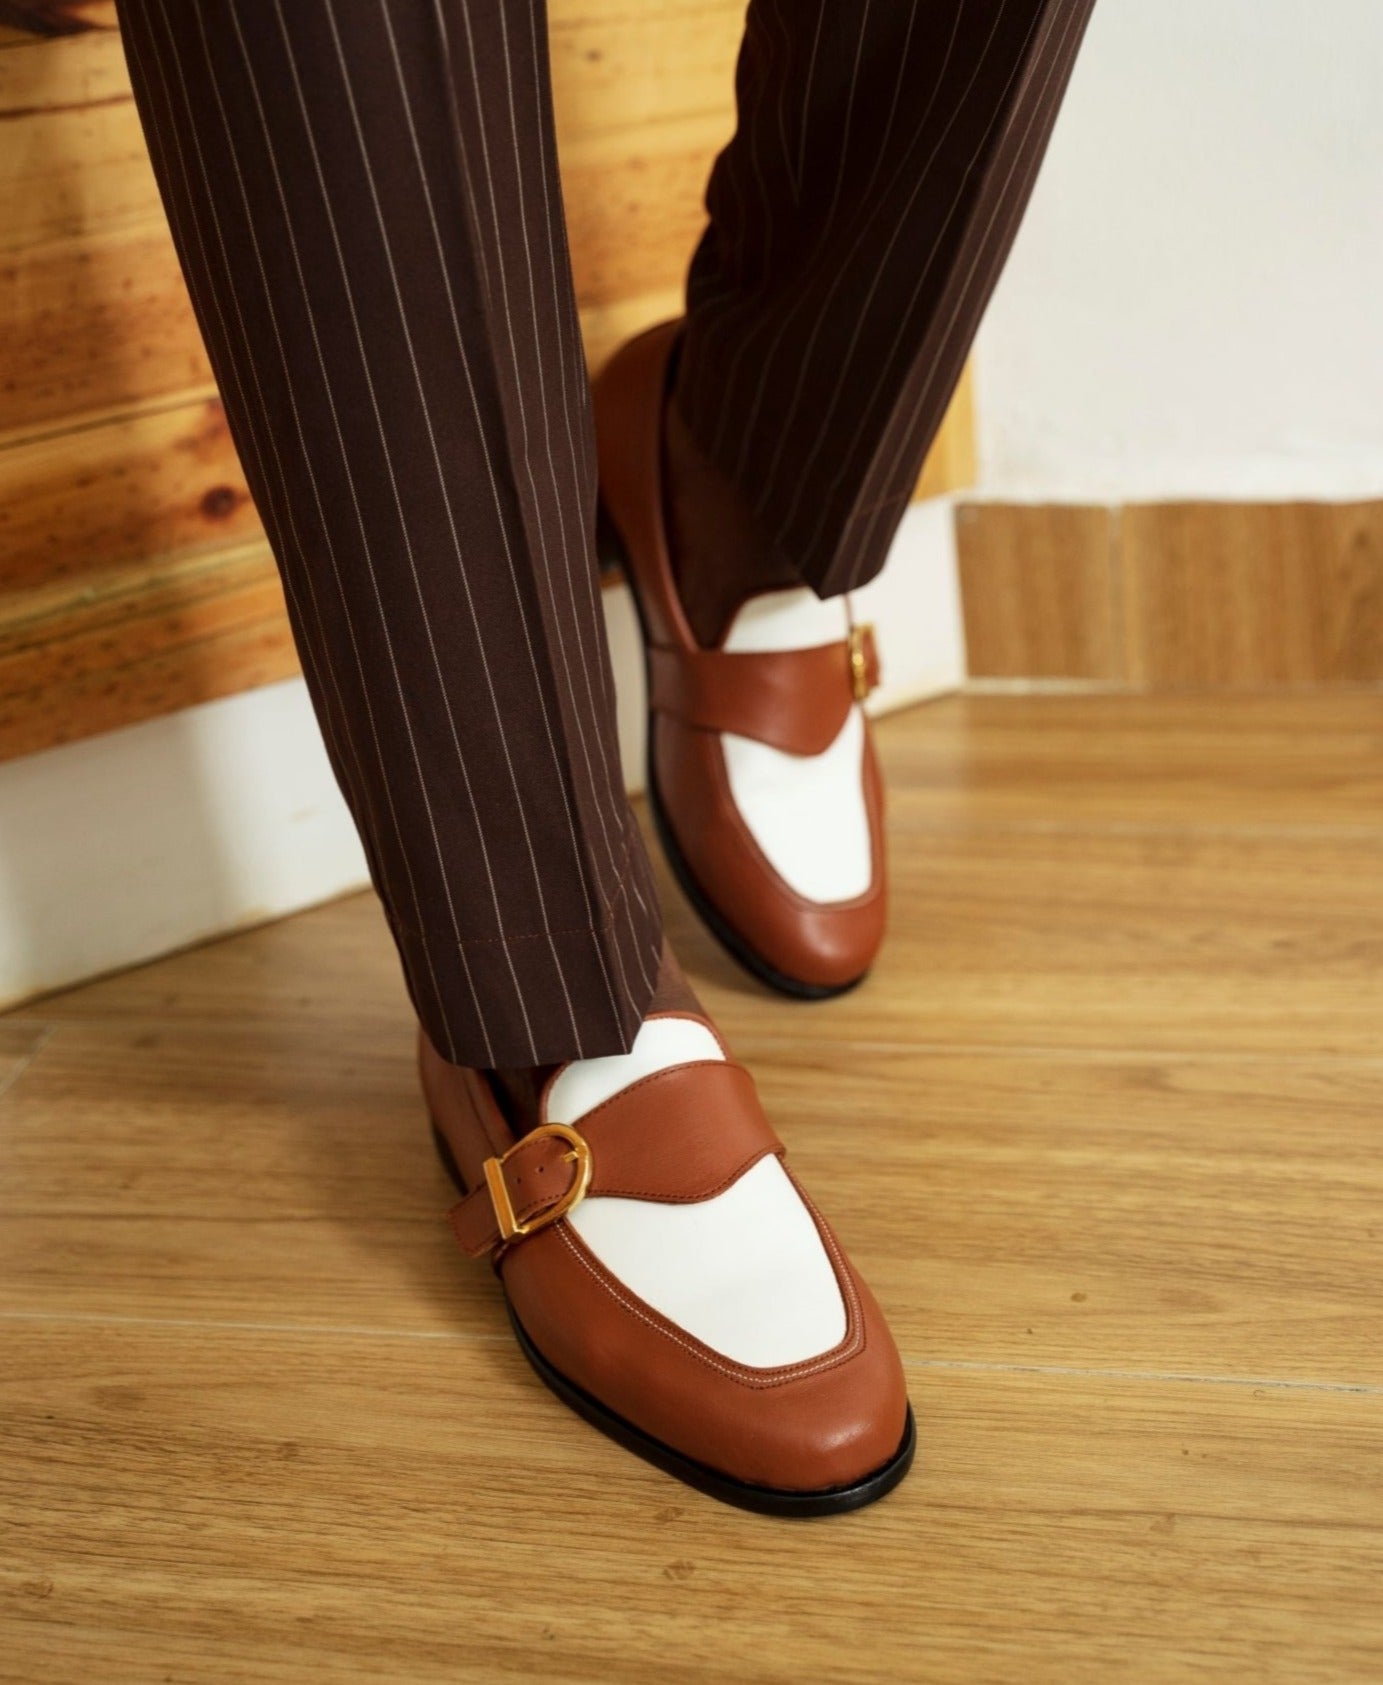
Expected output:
{"points": [[580, 1156], [859, 662]]}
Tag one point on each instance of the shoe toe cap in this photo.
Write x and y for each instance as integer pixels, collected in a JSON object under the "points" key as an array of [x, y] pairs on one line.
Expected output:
{"points": [[830, 1422]]}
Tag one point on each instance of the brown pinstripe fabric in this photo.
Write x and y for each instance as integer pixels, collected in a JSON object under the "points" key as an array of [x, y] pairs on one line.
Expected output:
{"points": [[859, 220], [365, 201]]}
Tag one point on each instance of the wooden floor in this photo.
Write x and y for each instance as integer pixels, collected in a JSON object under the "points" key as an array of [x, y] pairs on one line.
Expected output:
{"points": [[1105, 1132]]}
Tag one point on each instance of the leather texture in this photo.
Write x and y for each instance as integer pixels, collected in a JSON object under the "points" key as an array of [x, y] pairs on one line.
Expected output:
{"points": [[679, 1136], [795, 701], [743, 1269], [806, 812], [707, 1108]]}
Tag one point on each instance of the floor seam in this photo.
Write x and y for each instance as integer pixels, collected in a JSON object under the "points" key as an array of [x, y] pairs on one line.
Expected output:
{"points": [[1163, 1376], [210, 1325], [46, 1034], [466, 1337], [748, 1035]]}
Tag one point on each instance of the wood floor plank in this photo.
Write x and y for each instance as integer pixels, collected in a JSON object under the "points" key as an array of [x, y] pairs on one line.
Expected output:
{"points": [[1046, 890], [1271, 762], [271, 1507], [1181, 1215], [1101, 1131], [20, 1040], [228, 1176]]}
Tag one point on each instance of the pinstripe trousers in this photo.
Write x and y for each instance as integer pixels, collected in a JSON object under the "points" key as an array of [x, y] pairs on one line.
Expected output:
{"points": [[365, 202]]}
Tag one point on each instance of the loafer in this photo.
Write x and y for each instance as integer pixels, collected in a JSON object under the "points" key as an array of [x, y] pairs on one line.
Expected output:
{"points": [[669, 1280], [762, 777]]}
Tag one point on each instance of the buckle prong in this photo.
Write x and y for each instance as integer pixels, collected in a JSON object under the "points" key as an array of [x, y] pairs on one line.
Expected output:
{"points": [[579, 1154], [859, 661]]}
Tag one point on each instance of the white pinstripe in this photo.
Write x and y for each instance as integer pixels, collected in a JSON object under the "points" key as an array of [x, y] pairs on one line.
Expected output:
{"points": [[513, 343], [748, 426], [463, 169], [330, 11], [206, 302], [761, 181], [920, 280], [1014, 204], [590, 658], [420, 923], [727, 410], [731, 413], [727, 293], [580, 367], [872, 210], [546, 416], [489, 462], [782, 91], [807, 103], [365, 547], [229, 271], [209, 310], [866, 198]]}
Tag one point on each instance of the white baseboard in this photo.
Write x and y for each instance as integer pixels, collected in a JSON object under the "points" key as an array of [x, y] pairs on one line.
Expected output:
{"points": [[144, 840], [131, 844]]}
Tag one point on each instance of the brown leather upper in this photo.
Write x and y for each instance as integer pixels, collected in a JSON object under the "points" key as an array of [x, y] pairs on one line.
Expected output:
{"points": [[795, 700], [710, 1130], [681, 1134]]}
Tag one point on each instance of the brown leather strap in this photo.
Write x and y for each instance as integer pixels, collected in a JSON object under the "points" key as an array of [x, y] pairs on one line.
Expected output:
{"points": [[795, 699], [680, 1135]]}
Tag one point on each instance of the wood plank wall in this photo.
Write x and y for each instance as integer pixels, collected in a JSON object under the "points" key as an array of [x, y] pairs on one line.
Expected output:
{"points": [[134, 576], [1174, 596]]}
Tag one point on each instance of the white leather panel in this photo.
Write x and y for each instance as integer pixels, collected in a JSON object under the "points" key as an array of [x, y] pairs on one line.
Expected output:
{"points": [[580, 1087], [746, 1272], [806, 812], [792, 619]]}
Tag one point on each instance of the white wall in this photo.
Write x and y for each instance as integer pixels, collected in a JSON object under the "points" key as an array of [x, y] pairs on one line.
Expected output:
{"points": [[1195, 302]]}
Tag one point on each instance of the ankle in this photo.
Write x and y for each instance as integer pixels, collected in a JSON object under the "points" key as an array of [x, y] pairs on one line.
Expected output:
{"points": [[719, 554], [519, 1090]]}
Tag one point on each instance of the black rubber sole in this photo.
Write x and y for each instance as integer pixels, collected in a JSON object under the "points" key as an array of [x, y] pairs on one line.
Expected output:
{"points": [[613, 555], [763, 1500]]}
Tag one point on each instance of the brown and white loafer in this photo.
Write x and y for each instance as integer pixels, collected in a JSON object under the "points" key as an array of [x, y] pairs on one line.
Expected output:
{"points": [[669, 1280], [762, 777]]}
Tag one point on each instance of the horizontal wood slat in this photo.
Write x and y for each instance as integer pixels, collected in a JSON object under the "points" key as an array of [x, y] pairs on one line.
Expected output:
{"points": [[116, 468], [74, 507], [22, 20], [93, 324], [159, 636]]}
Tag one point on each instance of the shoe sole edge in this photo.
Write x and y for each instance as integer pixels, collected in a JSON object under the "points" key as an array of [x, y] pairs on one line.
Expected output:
{"points": [[700, 901], [762, 1500]]}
